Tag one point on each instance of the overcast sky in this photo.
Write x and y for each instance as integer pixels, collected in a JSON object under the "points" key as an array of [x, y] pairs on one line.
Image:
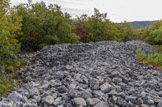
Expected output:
{"points": [[118, 10]]}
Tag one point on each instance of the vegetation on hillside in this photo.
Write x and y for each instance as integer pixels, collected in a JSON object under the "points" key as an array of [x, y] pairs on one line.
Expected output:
{"points": [[152, 35], [154, 59], [98, 28], [10, 27], [42, 25], [31, 26]]}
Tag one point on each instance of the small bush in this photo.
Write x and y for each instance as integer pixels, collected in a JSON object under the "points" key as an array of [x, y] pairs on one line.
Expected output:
{"points": [[154, 59], [10, 27], [152, 34], [6, 83], [158, 48], [44, 25]]}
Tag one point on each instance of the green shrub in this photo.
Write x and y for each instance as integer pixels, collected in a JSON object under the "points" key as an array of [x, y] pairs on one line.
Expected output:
{"points": [[10, 26], [6, 83], [154, 59], [158, 48], [153, 33], [99, 28], [44, 25], [129, 31]]}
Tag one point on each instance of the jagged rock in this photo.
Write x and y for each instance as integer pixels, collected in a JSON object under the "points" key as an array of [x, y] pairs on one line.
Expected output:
{"points": [[131, 99], [60, 105], [86, 94], [33, 91], [159, 104], [92, 101], [98, 93], [143, 45], [113, 92], [106, 87], [79, 102], [72, 86], [15, 97], [144, 105], [101, 74], [7, 104], [49, 100], [72, 93], [58, 101], [101, 104], [37, 98]]}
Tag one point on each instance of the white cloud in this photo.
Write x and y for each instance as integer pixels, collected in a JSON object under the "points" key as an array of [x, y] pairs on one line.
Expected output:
{"points": [[118, 10]]}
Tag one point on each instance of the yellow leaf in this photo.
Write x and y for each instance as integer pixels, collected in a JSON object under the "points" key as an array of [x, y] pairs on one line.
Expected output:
{"points": [[145, 62], [11, 68], [18, 63]]}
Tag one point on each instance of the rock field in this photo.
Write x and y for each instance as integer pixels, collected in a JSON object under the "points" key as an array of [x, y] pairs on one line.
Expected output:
{"points": [[101, 74]]}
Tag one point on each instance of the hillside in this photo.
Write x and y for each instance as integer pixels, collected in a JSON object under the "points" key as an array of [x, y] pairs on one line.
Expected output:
{"points": [[141, 24], [101, 74]]}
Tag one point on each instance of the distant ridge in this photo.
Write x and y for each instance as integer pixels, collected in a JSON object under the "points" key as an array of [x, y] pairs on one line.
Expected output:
{"points": [[141, 24]]}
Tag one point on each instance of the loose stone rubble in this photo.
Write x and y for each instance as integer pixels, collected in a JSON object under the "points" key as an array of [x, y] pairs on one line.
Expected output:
{"points": [[101, 74]]}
